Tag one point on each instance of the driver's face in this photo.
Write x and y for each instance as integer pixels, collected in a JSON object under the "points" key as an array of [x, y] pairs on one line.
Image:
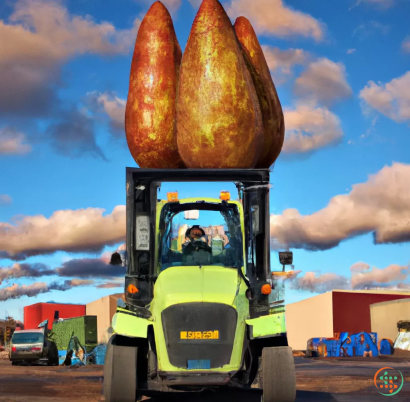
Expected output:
{"points": [[196, 234]]}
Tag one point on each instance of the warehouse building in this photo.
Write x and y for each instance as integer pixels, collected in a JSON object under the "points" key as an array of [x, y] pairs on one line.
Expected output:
{"points": [[385, 316], [336, 311], [39, 312], [104, 309]]}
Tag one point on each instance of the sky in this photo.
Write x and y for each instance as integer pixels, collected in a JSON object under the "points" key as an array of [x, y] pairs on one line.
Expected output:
{"points": [[341, 187]]}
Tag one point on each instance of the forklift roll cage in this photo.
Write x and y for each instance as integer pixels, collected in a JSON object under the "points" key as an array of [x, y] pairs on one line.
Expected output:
{"points": [[142, 189]]}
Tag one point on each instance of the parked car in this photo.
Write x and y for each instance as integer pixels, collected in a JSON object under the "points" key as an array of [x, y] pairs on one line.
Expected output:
{"points": [[33, 347]]}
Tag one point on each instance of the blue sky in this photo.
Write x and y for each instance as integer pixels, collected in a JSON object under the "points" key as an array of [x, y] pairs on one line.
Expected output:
{"points": [[64, 89]]}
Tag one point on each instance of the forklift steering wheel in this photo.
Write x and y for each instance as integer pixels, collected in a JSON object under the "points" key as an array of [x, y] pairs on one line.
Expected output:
{"points": [[201, 245]]}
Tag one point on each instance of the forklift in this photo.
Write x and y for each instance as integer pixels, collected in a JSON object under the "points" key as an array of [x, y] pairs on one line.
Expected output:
{"points": [[199, 310]]}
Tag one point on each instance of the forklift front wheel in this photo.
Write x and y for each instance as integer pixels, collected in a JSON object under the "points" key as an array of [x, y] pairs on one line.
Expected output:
{"points": [[120, 374], [278, 375]]}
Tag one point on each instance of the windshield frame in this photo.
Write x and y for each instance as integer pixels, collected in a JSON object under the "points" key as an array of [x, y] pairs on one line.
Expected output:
{"points": [[205, 204]]}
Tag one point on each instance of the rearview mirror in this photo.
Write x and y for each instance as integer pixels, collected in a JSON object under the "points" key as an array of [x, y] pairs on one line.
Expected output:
{"points": [[116, 259], [286, 257], [191, 215]]}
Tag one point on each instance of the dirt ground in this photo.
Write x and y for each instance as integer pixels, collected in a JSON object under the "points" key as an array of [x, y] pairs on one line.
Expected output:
{"points": [[343, 379]]}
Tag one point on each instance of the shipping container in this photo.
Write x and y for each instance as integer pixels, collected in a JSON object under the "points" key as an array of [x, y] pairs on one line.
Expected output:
{"points": [[84, 328]]}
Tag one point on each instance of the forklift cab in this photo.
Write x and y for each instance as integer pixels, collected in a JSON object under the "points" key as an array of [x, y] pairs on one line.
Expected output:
{"points": [[150, 229]]}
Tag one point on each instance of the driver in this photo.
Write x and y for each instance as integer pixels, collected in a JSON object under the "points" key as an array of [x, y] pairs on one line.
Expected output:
{"points": [[194, 240]]}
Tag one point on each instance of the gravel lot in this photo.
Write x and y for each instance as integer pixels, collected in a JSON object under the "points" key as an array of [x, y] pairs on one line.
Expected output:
{"points": [[344, 380]]}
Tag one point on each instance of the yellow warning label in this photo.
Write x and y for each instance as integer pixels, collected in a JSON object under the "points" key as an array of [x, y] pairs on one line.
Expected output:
{"points": [[200, 335]]}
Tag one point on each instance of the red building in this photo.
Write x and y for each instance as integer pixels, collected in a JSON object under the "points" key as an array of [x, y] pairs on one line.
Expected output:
{"points": [[336, 311], [39, 312], [351, 310]]}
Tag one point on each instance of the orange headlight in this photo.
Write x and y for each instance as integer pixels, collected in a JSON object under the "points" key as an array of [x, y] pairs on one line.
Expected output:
{"points": [[266, 289], [132, 289]]}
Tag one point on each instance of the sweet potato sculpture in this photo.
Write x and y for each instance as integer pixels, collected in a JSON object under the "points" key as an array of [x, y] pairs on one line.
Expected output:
{"points": [[150, 112], [219, 122], [272, 113]]}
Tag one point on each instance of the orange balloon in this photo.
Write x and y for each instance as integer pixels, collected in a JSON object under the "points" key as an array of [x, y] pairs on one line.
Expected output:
{"points": [[150, 112], [272, 113], [219, 122]]}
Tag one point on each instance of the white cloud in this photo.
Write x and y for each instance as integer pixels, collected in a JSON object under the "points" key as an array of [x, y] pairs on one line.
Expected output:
{"points": [[320, 283], [111, 285], [375, 277], [17, 270], [385, 3], [16, 291], [351, 51], [171, 5], [95, 268], [362, 277], [273, 17], [39, 37], [112, 106], [63, 34], [309, 129], [405, 46], [5, 199], [371, 28], [195, 3], [391, 99], [380, 206], [323, 81], [281, 62], [381, 4], [359, 267], [13, 142], [82, 230], [122, 247]]}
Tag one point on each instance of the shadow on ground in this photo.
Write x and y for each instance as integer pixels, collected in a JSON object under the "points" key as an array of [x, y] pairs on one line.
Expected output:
{"points": [[242, 396]]}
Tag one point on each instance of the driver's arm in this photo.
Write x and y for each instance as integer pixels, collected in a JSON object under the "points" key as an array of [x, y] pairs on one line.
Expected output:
{"points": [[187, 247]]}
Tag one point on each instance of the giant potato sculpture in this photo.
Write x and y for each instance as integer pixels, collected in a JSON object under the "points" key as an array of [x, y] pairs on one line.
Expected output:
{"points": [[150, 112], [272, 114], [219, 122]]}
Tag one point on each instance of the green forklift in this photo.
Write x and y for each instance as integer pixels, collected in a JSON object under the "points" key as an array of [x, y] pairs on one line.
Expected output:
{"points": [[200, 311]]}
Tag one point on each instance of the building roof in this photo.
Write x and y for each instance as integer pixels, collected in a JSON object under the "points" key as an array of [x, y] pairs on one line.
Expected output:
{"points": [[59, 304], [390, 302], [374, 291], [377, 291], [117, 296]]}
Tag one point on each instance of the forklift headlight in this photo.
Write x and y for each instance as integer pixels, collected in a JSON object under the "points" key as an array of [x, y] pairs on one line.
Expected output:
{"points": [[132, 289], [266, 289], [132, 293]]}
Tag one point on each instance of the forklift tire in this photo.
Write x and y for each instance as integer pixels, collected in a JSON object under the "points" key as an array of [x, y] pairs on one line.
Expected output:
{"points": [[278, 375], [120, 374]]}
